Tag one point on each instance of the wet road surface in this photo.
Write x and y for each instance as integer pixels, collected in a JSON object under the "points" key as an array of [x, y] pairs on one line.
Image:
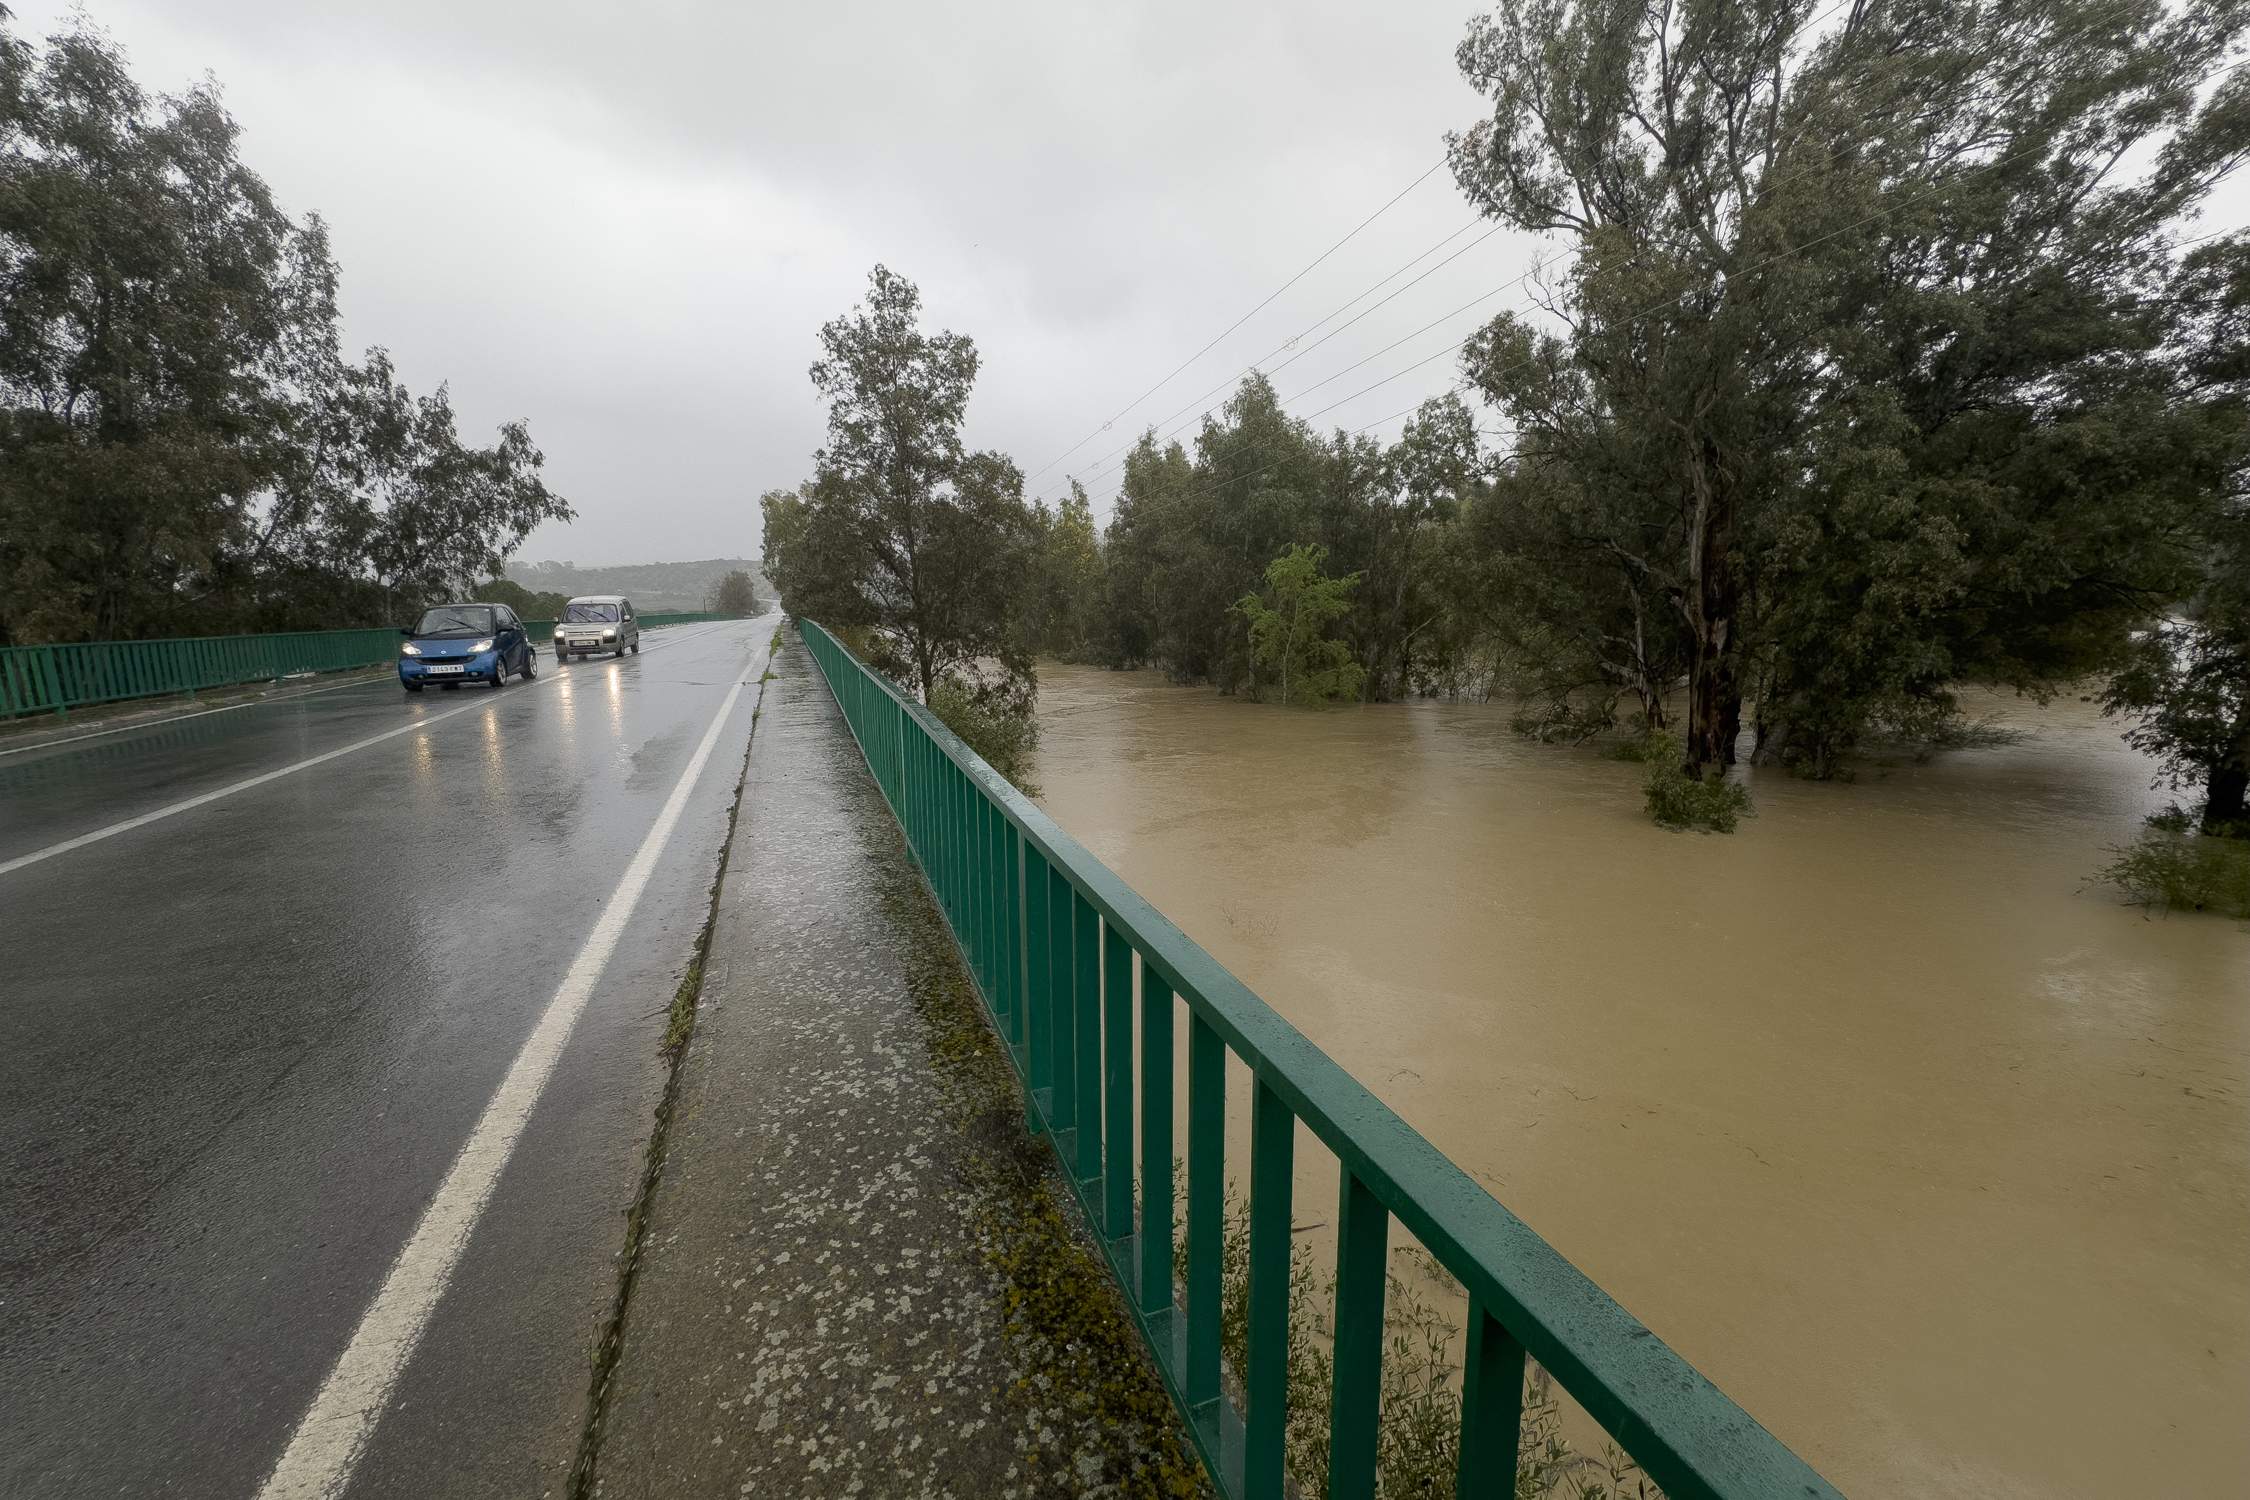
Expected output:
{"points": [[241, 1045]]}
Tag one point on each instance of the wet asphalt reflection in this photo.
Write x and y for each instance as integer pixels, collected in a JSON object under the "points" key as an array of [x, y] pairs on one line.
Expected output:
{"points": [[239, 1046]]}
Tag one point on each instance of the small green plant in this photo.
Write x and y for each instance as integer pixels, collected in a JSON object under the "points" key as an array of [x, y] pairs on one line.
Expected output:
{"points": [[2170, 869], [1678, 800], [1418, 1420], [1004, 733]]}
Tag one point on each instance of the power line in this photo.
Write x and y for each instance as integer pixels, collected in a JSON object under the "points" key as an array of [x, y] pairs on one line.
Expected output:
{"points": [[1289, 343], [1238, 322], [1653, 308], [1166, 423], [1729, 274]]}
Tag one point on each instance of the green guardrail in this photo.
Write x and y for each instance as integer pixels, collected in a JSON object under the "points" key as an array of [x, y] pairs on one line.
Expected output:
{"points": [[56, 679], [1055, 942]]}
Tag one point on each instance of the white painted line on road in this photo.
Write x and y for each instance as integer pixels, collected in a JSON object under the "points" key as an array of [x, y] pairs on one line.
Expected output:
{"points": [[198, 713], [326, 1445], [278, 699], [191, 803]]}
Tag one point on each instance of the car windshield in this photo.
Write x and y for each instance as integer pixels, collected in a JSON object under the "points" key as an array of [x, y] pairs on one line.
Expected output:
{"points": [[456, 619], [587, 614]]}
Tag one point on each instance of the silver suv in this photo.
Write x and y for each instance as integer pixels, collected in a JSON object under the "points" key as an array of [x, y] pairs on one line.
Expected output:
{"points": [[597, 623]]}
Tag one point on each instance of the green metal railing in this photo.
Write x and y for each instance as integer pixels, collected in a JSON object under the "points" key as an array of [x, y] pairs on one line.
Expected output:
{"points": [[55, 679], [1055, 942]]}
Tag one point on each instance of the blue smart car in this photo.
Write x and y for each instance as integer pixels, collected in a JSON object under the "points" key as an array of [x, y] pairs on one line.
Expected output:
{"points": [[456, 643]]}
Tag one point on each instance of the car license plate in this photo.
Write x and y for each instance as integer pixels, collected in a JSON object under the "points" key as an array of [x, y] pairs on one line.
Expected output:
{"points": [[444, 669]]}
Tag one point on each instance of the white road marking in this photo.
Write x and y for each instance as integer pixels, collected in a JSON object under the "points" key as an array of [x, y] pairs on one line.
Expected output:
{"points": [[276, 700], [191, 803], [328, 1440], [198, 713]]}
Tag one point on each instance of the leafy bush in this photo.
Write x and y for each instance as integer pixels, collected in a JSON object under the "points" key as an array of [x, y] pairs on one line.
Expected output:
{"points": [[1678, 800], [2169, 870], [1005, 733]]}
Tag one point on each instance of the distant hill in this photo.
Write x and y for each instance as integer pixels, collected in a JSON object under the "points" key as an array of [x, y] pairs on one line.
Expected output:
{"points": [[651, 586]]}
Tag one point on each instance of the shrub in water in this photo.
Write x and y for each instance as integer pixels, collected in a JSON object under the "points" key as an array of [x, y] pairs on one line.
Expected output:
{"points": [[1678, 800], [1000, 731], [2175, 871]]}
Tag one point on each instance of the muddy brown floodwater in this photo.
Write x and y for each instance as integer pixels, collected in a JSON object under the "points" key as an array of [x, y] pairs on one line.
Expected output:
{"points": [[1929, 1152]]}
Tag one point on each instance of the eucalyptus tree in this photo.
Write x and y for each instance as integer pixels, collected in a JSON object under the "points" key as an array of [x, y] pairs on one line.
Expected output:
{"points": [[901, 531], [1849, 318]]}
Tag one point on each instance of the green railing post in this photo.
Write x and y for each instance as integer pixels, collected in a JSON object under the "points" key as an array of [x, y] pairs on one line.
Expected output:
{"points": [[1086, 947], [1273, 1139], [1207, 1128], [1362, 1268], [1156, 1142], [1038, 970], [1117, 1083], [1062, 1013], [1491, 1409]]}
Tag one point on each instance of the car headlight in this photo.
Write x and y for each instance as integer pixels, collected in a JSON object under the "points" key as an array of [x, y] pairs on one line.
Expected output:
{"points": [[483, 645], [558, 632], [410, 649], [609, 635]]}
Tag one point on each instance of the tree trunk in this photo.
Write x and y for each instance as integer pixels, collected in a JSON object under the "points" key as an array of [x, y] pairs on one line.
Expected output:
{"points": [[1714, 710], [2224, 792]]}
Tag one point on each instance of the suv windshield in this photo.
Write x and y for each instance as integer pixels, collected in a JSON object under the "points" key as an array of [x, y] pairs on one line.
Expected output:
{"points": [[588, 614], [456, 619]]}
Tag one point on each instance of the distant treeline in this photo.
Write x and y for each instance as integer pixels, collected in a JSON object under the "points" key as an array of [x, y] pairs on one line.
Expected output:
{"points": [[184, 447]]}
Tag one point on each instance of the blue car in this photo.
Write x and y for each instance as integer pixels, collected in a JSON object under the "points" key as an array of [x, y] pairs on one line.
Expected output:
{"points": [[456, 643]]}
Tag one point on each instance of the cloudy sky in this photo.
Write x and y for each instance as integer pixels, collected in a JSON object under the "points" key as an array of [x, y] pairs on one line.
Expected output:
{"points": [[626, 223]]}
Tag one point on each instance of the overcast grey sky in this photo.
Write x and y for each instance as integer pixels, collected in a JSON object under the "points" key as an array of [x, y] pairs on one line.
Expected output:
{"points": [[626, 223]]}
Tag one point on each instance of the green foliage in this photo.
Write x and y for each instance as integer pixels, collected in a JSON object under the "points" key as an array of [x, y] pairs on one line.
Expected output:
{"points": [[901, 531], [1874, 369], [1004, 733], [1677, 798], [2167, 869], [1290, 626], [1063, 616], [734, 594], [183, 446]]}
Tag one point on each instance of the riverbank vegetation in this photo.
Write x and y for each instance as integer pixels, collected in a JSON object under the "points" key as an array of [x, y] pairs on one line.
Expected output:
{"points": [[1870, 360], [185, 449], [1862, 369]]}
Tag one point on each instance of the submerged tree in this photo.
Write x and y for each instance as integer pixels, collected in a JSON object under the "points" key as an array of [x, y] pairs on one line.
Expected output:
{"points": [[1292, 624], [1857, 366]]}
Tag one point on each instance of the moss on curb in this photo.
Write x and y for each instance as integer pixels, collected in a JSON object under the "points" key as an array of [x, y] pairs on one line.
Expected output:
{"points": [[1065, 1319]]}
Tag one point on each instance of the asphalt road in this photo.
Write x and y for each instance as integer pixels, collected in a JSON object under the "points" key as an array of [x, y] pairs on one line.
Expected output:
{"points": [[242, 1044]]}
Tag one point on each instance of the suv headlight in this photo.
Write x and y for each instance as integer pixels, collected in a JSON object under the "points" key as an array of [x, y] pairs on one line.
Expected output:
{"points": [[410, 649], [609, 635], [481, 646]]}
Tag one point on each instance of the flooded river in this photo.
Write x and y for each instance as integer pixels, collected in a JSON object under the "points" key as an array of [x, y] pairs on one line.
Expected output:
{"points": [[1931, 1154]]}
